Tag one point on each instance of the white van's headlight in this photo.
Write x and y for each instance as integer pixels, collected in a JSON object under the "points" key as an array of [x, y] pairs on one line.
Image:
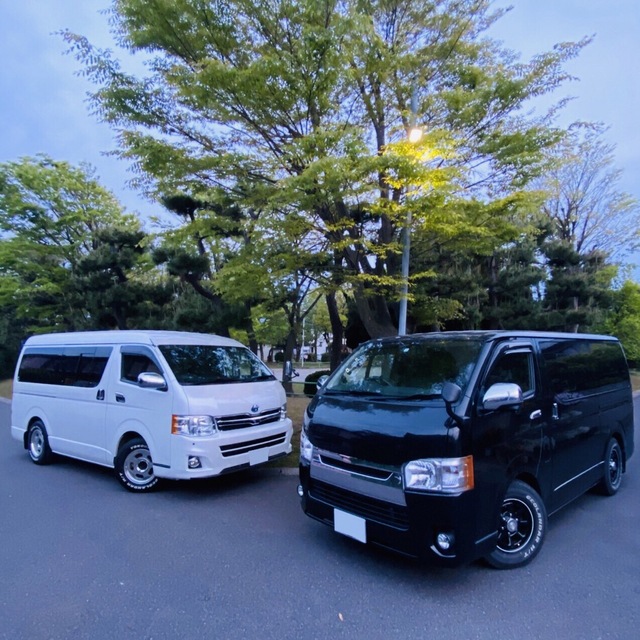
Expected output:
{"points": [[439, 475], [193, 425], [283, 411], [306, 448]]}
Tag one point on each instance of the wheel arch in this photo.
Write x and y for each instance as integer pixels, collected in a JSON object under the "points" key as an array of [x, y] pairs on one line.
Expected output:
{"points": [[128, 432], [531, 480]]}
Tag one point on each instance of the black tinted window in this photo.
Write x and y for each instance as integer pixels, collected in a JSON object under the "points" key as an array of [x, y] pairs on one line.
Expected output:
{"points": [[133, 364], [515, 367], [583, 366], [67, 366]]}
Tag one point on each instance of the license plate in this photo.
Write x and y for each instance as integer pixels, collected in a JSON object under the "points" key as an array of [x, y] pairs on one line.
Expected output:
{"points": [[350, 525], [258, 456]]}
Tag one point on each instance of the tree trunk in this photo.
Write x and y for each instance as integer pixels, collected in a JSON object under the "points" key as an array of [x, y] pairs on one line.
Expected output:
{"points": [[251, 334], [336, 329], [289, 347], [374, 313]]}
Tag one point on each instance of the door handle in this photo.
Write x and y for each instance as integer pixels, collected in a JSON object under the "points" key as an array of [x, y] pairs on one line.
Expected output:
{"points": [[100, 394], [120, 397], [535, 414]]}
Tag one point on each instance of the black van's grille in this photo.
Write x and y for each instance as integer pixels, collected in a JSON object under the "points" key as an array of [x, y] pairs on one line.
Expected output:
{"points": [[244, 420], [251, 445], [384, 512]]}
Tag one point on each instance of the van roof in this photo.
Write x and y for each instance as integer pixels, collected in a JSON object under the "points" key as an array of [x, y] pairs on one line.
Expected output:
{"points": [[131, 337], [486, 335]]}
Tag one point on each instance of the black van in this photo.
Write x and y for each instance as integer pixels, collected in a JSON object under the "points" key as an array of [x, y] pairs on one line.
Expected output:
{"points": [[455, 446]]}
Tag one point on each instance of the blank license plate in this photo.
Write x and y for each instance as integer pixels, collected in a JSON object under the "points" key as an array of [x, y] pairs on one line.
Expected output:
{"points": [[258, 456], [350, 525]]}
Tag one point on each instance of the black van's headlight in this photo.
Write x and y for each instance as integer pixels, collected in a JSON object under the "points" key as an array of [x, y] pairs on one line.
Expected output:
{"points": [[306, 448], [439, 475]]}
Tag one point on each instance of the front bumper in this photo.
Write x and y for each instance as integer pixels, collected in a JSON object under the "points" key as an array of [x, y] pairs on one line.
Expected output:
{"points": [[410, 529], [227, 451]]}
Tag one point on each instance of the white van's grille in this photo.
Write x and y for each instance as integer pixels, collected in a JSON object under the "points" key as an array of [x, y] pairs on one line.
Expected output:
{"points": [[251, 445], [245, 420]]}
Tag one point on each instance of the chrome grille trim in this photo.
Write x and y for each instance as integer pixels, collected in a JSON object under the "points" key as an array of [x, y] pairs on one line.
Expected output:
{"points": [[246, 420], [368, 479]]}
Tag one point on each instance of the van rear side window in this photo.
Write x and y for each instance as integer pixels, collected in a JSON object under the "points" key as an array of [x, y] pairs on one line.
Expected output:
{"points": [[66, 366], [582, 367]]}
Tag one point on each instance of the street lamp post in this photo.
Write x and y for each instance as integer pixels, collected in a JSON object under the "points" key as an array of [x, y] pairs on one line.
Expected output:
{"points": [[404, 294], [414, 135]]}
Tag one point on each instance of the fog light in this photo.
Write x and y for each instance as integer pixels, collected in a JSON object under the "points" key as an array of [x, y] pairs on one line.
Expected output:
{"points": [[300, 491], [445, 541], [194, 462]]}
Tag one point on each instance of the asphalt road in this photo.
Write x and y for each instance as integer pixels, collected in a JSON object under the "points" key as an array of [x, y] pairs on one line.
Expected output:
{"points": [[235, 558]]}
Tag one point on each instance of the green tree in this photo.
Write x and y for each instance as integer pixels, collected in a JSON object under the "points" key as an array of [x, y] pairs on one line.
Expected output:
{"points": [[301, 101], [592, 228], [623, 320], [67, 247]]}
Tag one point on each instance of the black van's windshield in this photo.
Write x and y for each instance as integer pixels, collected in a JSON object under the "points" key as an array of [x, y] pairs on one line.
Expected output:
{"points": [[407, 368], [206, 364]]}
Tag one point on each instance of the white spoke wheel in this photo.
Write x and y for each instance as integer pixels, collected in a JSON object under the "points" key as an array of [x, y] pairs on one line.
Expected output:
{"points": [[134, 467], [521, 529]]}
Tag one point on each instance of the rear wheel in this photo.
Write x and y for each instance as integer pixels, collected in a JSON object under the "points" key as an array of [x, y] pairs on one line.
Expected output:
{"points": [[38, 444], [613, 465], [134, 467], [522, 528]]}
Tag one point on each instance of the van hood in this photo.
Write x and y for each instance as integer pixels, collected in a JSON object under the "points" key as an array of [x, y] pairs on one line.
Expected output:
{"points": [[235, 398], [385, 431]]}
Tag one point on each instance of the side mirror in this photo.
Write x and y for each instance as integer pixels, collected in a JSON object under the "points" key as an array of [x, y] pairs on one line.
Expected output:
{"points": [[322, 380], [151, 380], [502, 394], [451, 393]]}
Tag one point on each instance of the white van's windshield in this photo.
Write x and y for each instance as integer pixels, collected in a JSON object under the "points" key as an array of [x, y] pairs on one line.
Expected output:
{"points": [[408, 367], [207, 364]]}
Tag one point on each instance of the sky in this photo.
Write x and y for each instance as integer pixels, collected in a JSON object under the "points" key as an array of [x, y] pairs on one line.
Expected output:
{"points": [[43, 105]]}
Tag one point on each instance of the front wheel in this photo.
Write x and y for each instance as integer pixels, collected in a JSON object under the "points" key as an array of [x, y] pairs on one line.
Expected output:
{"points": [[134, 467], [613, 465], [38, 444], [522, 528]]}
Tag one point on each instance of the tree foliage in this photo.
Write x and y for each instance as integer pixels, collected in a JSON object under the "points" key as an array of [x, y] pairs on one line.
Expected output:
{"points": [[70, 258], [303, 106]]}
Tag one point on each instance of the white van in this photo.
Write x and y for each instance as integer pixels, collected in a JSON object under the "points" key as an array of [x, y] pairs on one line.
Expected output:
{"points": [[151, 404]]}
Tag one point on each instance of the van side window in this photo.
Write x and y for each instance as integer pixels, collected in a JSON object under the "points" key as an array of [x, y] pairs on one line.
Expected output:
{"points": [[133, 364], [66, 366], [578, 367], [516, 367]]}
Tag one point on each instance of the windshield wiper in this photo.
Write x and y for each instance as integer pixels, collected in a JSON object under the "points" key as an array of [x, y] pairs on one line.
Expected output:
{"points": [[421, 396], [352, 392]]}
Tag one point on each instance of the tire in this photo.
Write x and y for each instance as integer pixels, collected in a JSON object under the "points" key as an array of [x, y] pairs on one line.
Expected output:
{"points": [[613, 468], [522, 528], [134, 467], [38, 444]]}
